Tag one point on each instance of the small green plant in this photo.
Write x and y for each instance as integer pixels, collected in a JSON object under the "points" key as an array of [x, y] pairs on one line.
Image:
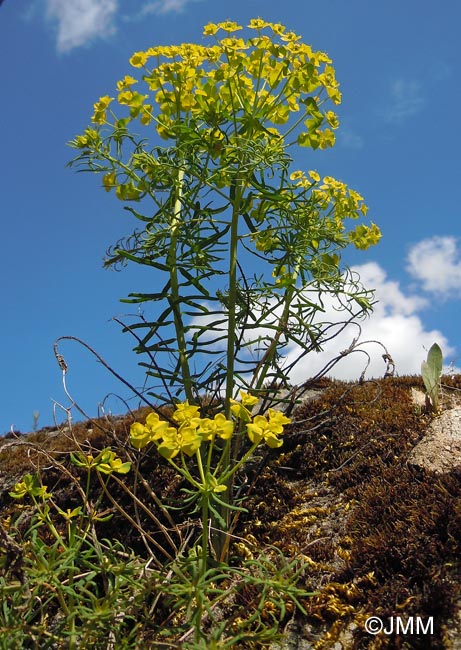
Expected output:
{"points": [[63, 586], [66, 585], [431, 370]]}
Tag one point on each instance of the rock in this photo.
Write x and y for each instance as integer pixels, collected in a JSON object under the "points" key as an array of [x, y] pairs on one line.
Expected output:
{"points": [[286, 399], [418, 397], [440, 449]]}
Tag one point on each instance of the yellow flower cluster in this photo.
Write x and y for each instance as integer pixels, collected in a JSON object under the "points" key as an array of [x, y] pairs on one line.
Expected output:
{"points": [[365, 236], [29, 485], [265, 78], [192, 430], [89, 139], [267, 428], [105, 462], [236, 101], [340, 202], [100, 109]]}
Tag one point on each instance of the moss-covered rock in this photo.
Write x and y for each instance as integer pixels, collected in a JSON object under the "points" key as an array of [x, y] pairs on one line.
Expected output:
{"points": [[380, 536]]}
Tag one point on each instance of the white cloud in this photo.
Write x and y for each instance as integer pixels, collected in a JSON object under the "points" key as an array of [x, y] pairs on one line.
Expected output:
{"points": [[406, 100], [404, 338], [164, 7], [436, 264], [394, 323], [81, 21], [392, 300]]}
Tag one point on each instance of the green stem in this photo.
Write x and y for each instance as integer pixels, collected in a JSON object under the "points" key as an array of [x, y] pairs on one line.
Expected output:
{"points": [[47, 520], [205, 514], [236, 194], [241, 462], [174, 299], [203, 563], [203, 559], [69, 613], [205, 539]]}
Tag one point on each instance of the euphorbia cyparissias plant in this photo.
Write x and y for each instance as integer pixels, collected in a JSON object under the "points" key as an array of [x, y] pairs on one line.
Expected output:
{"points": [[197, 146], [220, 200]]}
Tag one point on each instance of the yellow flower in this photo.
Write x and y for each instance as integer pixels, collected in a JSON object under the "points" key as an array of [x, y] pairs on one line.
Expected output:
{"points": [[100, 107], [326, 139], [240, 410], [263, 429], [364, 236], [315, 176], [233, 43], [154, 429], [109, 181], [332, 119], [189, 439], [69, 514], [294, 176], [356, 196], [210, 29], [108, 463], [374, 234], [127, 192], [293, 104], [215, 486], [146, 114], [125, 97], [126, 82], [29, 485], [277, 420], [81, 141], [186, 439], [229, 26], [247, 399], [155, 425], [280, 115], [90, 138], [139, 435], [290, 37], [275, 133], [185, 412], [103, 102], [138, 59], [219, 426], [258, 23], [277, 28], [153, 51]]}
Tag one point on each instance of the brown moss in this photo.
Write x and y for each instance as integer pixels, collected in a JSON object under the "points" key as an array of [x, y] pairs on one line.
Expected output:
{"points": [[397, 531]]}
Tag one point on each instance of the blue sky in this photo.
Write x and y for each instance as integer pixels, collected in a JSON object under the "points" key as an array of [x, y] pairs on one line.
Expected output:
{"points": [[398, 64]]}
